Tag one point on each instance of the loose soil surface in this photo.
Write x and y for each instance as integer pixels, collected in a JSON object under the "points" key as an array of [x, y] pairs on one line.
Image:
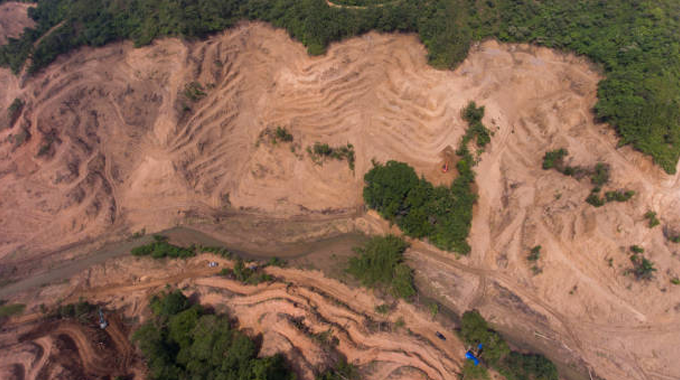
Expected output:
{"points": [[117, 146], [13, 20]]}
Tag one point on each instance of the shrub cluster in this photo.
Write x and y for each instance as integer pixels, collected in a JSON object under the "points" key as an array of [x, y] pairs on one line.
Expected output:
{"points": [[380, 264], [160, 248], [498, 355], [653, 220], [182, 341], [194, 91], [319, 152], [246, 275]]}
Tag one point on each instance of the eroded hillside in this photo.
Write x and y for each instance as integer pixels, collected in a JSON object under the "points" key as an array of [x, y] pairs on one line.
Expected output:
{"points": [[117, 139]]}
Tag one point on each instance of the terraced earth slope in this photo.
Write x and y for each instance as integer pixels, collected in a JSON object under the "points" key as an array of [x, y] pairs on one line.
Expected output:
{"points": [[117, 139], [290, 314]]}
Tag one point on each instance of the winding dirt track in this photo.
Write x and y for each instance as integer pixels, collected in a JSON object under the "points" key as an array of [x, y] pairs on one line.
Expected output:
{"points": [[117, 146]]}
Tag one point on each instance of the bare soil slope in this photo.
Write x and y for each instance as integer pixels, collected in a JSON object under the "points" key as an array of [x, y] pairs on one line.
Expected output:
{"points": [[13, 20], [116, 145]]}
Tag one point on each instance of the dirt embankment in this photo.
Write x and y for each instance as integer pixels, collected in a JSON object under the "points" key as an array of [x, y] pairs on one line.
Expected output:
{"points": [[116, 145], [290, 314]]}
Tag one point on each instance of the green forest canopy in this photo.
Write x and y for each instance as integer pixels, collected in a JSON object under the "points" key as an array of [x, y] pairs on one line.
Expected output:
{"points": [[182, 341], [635, 41]]}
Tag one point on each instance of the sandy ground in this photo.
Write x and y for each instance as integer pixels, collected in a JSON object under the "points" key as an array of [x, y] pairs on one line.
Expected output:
{"points": [[120, 153]]}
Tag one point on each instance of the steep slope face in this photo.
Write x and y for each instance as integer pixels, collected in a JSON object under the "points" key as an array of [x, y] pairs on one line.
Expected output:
{"points": [[118, 142]]}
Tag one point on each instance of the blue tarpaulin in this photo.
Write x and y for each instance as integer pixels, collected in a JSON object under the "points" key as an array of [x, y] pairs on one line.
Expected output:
{"points": [[470, 356]]}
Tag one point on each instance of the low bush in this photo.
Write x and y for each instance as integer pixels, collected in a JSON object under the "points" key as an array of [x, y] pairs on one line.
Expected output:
{"points": [[380, 264], [160, 248], [246, 275], [319, 152], [282, 134], [643, 269], [600, 174], [8, 310], [554, 159], [637, 249], [653, 220], [341, 371], [194, 91], [535, 253]]}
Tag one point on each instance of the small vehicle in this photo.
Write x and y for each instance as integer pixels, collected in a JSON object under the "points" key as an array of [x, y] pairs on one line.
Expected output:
{"points": [[212, 264], [440, 335]]}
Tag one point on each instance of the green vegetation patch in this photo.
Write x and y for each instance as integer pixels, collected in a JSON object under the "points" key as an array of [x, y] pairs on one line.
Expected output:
{"points": [[160, 248], [320, 152], [8, 310], [14, 110], [342, 371], [441, 214], [194, 91], [380, 264], [653, 220], [82, 311], [643, 269], [555, 159], [182, 341], [498, 355], [251, 275]]}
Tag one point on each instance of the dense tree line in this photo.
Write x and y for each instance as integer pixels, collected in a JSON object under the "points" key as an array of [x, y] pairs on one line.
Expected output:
{"points": [[497, 354], [184, 341], [636, 42]]}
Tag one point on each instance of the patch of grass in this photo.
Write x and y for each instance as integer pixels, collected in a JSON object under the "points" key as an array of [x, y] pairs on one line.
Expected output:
{"points": [[320, 152], [441, 214], [653, 220], [675, 280], [14, 111], [383, 309], [282, 134], [194, 91], [535, 253], [221, 251], [618, 195], [8, 310], [637, 249]]}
